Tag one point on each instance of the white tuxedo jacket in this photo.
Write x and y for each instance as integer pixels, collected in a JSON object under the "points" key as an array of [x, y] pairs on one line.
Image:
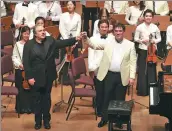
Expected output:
{"points": [[128, 64]]}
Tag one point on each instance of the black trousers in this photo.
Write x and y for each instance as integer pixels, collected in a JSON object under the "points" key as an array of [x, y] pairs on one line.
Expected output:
{"points": [[42, 102], [146, 74], [114, 90], [99, 86], [90, 14]]}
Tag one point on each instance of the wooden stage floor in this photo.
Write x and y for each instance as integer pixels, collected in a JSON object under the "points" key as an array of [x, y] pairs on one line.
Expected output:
{"points": [[79, 120]]}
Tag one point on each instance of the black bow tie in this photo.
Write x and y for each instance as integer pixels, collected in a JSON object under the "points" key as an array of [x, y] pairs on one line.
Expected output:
{"points": [[103, 37], [24, 4]]}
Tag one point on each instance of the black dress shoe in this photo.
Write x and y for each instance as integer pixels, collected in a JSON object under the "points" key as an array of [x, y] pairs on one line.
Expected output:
{"points": [[47, 125], [102, 123], [37, 126]]}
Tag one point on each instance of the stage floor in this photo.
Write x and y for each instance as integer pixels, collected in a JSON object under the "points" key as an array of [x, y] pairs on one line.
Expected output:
{"points": [[82, 119]]}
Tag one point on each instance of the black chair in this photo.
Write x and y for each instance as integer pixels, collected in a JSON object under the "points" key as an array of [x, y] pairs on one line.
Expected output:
{"points": [[120, 112]]}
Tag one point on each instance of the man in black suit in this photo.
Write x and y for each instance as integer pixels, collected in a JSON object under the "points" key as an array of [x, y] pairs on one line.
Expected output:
{"points": [[40, 71]]}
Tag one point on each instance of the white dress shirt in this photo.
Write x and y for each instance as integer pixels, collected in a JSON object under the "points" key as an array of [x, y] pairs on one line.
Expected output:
{"points": [[120, 7], [95, 56], [143, 32], [133, 14], [3, 9], [17, 54], [69, 26], [169, 36], [29, 13], [116, 57], [161, 7], [54, 8]]}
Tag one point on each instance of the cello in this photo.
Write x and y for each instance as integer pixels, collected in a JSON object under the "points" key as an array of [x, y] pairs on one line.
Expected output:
{"points": [[151, 54]]}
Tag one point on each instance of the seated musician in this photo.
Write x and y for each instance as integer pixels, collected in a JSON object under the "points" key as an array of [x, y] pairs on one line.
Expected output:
{"points": [[22, 15], [69, 26], [50, 10], [24, 95], [134, 15], [142, 35], [3, 9], [117, 7], [39, 21], [159, 7], [169, 37]]}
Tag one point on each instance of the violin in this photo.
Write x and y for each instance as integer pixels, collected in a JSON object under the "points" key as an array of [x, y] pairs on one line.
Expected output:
{"points": [[151, 55], [69, 50], [25, 82]]}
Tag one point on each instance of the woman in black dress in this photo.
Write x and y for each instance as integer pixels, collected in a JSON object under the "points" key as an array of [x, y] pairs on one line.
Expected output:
{"points": [[25, 96]]}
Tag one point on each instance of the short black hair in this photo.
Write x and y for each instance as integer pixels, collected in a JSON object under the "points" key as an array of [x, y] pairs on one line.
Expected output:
{"points": [[74, 2], [40, 18], [103, 21], [119, 25], [148, 11]]}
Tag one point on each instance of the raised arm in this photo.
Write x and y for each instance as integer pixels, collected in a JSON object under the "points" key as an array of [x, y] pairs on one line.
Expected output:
{"points": [[65, 43]]}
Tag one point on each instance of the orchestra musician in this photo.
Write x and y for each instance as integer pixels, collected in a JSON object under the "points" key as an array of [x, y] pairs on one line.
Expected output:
{"points": [[117, 68], [94, 58], [50, 10], [39, 21], [117, 7], [103, 14], [134, 15], [145, 70], [40, 71], [26, 10], [169, 37], [159, 7], [69, 26], [24, 97], [89, 13], [3, 9]]}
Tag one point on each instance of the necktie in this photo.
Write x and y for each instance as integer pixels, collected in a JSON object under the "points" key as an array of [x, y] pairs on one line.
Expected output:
{"points": [[103, 37]]}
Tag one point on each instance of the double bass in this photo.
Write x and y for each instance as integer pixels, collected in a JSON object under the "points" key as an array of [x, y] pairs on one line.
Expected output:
{"points": [[151, 54]]}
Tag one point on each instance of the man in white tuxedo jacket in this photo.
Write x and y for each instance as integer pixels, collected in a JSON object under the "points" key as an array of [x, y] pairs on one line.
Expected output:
{"points": [[117, 67]]}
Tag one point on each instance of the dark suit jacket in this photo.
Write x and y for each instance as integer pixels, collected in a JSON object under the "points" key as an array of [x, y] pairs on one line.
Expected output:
{"points": [[42, 67]]}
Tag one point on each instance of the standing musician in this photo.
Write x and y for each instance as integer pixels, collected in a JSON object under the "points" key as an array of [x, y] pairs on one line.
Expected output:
{"points": [[50, 10], [3, 9], [69, 26], [94, 59], [142, 34], [40, 71], [169, 37], [158, 7], [117, 7], [103, 14], [117, 68], [26, 11], [24, 97], [134, 15], [39, 21], [90, 13]]}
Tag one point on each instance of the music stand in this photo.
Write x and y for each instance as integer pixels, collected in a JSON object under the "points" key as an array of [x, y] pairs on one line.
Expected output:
{"points": [[134, 101], [61, 102]]}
